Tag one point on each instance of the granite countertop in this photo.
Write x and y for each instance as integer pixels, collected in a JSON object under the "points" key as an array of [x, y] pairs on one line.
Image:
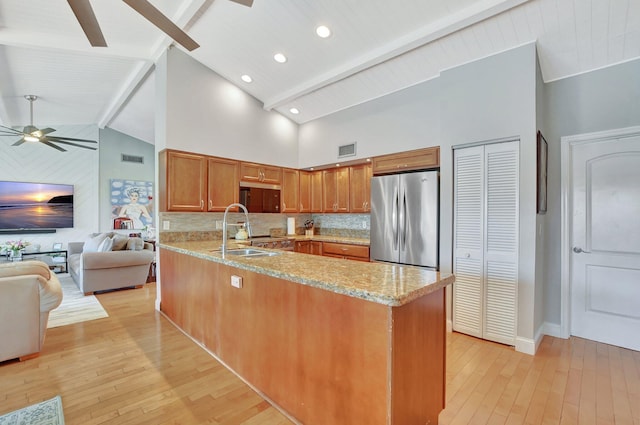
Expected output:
{"points": [[382, 283]]}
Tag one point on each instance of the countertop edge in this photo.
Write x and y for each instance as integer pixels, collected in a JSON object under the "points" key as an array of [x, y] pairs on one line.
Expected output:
{"points": [[355, 293]]}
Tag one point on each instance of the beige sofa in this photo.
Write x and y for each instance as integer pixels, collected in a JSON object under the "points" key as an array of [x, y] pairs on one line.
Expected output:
{"points": [[100, 271], [28, 292]]}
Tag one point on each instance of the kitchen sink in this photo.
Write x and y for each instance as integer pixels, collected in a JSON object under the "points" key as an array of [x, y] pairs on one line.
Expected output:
{"points": [[251, 252]]}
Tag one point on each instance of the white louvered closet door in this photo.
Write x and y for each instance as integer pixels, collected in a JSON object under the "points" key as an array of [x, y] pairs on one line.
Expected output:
{"points": [[486, 241]]}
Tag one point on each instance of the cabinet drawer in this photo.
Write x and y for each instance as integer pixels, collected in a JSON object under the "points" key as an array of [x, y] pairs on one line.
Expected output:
{"points": [[345, 250]]}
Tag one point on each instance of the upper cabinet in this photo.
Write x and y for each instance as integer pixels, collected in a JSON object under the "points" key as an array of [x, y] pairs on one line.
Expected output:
{"points": [[259, 173], [222, 187], [360, 188], [311, 191], [335, 190], [183, 181], [290, 196], [407, 161]]}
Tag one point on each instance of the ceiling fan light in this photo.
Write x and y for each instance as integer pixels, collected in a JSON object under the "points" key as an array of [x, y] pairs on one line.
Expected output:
{"points": [[31, 138]]}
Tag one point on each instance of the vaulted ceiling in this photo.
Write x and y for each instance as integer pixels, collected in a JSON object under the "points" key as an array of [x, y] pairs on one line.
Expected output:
{"points": [[376, 47]]}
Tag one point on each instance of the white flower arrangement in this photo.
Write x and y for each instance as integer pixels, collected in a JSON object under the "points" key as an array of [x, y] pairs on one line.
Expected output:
{"points": [[15, 246]]}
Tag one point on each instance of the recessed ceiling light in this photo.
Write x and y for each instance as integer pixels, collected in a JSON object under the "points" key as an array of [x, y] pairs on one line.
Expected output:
{"points": [[280, 58], [294, 111], [246, 78], [323, 31], [368, 159], [311, 169], [337, 165]]}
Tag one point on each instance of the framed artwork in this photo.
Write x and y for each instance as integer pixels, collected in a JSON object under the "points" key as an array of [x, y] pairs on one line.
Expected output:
{"points": [[131, 200], [542, 161]]}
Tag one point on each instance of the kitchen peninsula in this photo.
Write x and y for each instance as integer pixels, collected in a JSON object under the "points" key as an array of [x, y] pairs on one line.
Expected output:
{"points": [[326, 340]]}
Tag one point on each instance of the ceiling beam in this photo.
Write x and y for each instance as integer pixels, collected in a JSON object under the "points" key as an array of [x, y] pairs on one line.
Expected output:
{"points": [[185, 15], [478, 12]]}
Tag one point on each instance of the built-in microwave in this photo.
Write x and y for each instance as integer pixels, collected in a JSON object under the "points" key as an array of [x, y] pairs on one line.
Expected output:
{"points": [[260, 199]]}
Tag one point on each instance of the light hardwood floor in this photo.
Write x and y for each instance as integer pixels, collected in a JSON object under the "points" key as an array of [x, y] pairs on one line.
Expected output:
{"points": [[134, 367]]}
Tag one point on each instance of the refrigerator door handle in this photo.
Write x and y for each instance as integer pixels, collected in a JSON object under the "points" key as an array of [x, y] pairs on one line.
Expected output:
{"points": [[403, 222], [394, 219]]}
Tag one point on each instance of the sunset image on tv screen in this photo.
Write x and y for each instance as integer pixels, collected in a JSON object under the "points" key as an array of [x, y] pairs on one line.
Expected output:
{"points": [[35, 205]]}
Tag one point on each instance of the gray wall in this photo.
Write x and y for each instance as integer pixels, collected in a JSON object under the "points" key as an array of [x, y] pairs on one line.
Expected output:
{"points": [[204, 113], [112, 145], [488, 99], [600, 100]]}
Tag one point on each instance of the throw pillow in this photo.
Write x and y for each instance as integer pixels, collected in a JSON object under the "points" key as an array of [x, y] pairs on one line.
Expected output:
{"points": [[119, 242], [135, 244], [105, 245], [92, 243]]}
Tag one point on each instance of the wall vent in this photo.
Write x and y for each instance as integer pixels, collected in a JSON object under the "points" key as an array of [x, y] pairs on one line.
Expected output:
{"points": [[132, 158], [347, 150]]}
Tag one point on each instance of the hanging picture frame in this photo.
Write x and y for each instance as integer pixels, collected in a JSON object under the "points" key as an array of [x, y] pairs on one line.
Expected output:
{"points": [[543, 167]]}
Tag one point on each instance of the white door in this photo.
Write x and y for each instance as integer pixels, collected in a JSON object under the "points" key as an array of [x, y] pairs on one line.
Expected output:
{"points": [[486, 241], [604, 197]]}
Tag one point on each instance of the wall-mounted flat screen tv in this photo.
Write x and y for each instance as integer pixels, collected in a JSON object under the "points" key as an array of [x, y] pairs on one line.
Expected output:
{"points": [[35, 205]]}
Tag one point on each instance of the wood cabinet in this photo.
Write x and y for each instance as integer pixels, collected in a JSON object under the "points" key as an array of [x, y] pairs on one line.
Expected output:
{"points": [[183, 181], [335, 190], [308, 247], [360, 188], [406, 161], [290, 192], [260, 173], [222, 183], [346, 251], [310, 191]]}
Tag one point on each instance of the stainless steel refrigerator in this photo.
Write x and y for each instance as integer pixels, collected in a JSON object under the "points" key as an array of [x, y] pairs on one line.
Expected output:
{"points": [[404, 218]]}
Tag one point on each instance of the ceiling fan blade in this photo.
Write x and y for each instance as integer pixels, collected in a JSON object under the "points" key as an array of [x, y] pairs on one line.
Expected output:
{"points": [[156, 17], [69, 143], [60, 139], [87, 19], [248, 3], [53, 146], [9, 131], [19, 142], [47, 130]]}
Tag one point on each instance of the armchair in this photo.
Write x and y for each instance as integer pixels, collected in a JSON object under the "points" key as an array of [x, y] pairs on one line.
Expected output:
{"points": [[28, 292]]}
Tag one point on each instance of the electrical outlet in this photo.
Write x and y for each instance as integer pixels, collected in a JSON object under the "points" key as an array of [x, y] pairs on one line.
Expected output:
{"points": [[166, 225], [236, 281], [218, 224], [364, 224]]}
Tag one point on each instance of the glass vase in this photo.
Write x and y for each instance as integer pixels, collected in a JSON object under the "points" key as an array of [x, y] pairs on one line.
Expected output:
{"points": [[15, 255]]}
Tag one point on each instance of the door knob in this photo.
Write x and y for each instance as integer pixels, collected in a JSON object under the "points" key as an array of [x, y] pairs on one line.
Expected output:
{"points": [[579, 250]]}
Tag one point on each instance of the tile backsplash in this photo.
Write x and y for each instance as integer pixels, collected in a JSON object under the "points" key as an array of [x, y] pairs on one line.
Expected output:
{"points": [[175, 227]]}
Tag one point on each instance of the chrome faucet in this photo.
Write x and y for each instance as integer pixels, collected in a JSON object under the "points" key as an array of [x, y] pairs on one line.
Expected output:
{"points": [[224, 225]]}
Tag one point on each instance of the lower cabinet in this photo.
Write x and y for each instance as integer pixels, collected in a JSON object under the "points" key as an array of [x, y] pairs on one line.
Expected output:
{"points": [[308, 247]]}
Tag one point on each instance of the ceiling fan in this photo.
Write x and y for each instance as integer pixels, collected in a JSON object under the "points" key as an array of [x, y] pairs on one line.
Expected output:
{"points": [[87, 19], [32, 133]]}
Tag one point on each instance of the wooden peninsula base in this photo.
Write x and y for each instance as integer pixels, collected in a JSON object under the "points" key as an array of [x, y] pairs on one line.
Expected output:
{"points": [[322, 357]]}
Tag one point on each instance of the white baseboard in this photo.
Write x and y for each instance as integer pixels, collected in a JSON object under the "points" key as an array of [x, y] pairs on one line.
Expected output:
{"points": [[554, 330], [528, 345]]}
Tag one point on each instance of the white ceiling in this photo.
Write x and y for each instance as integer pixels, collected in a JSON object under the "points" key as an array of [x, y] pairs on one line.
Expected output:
{"points": [[377, 47]]}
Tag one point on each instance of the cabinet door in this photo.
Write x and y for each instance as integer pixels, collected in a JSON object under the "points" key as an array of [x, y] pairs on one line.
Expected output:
{"points": [[316, 191], [302, 246], [186, 181], [316, 247], [304, 179], [259, 173], [335, 190], [223, 186], [342, 190], [406, 161], [360, 188], [290, 198]]}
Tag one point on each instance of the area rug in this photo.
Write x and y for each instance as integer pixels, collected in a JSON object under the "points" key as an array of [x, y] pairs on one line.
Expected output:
{"points": [[48, 412], [75, 307]]}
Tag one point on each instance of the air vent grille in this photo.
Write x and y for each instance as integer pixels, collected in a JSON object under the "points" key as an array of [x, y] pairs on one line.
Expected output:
{"points": [[132, 158], [347, 150]]}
